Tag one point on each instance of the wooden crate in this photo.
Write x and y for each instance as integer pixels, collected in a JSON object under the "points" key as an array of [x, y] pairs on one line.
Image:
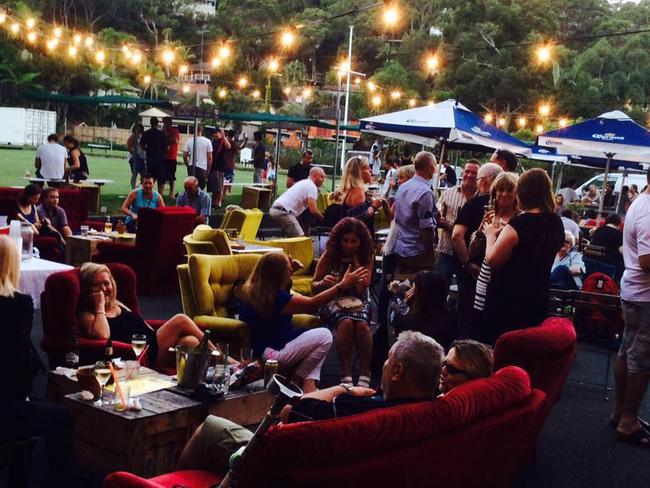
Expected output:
{"points": [[255, 197]]}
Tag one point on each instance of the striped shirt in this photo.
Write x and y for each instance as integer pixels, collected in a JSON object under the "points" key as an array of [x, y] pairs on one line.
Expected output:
{"points": [[451, 200]]}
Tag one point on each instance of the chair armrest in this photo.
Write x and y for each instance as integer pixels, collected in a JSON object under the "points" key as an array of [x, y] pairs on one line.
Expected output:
{"points": [[122, 479], [305, 321], [233, 331], [114, 252], [155, 323]]}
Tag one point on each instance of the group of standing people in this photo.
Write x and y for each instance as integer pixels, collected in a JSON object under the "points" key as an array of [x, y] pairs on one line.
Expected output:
{"points": [[56, 162]]}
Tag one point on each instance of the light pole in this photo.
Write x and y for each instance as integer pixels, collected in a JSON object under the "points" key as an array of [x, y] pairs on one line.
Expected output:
{"points": [[347, 97]]}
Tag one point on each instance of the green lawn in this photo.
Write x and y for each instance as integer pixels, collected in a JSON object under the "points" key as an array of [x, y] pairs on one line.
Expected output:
{"points": [[14, 163]]}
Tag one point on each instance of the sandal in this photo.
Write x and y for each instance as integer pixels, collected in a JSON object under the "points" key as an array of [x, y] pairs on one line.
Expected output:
{"points": [[364, 381], [644, 424], [640, 438], [346, 380]]}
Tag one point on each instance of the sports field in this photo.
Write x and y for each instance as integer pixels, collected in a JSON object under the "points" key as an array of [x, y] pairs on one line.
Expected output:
{"points": [[14, 163]]}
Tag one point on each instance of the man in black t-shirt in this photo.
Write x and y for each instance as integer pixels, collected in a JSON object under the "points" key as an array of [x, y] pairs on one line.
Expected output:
{"points": [[410, 374], [259, 158], [300, 171], [154, 142], [610, 237], [468, 221]]}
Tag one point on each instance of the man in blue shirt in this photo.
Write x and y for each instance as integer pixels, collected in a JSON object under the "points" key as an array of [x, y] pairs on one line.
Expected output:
{"points": [[195, 198], [415, 218]]}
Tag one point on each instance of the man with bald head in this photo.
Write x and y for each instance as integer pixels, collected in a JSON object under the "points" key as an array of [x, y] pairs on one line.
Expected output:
{"points": [[195, 198], [302, 196]]}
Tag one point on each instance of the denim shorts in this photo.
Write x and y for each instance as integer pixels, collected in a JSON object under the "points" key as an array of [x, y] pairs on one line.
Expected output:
{"points": [[635, 344]]}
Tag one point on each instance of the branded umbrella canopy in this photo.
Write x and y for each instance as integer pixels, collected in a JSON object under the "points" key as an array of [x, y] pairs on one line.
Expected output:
{"points": [[613, 137]]}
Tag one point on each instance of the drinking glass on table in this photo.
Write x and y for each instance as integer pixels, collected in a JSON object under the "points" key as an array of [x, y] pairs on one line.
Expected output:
{"points": [[245, 356], [138, 343], [102, 373]]}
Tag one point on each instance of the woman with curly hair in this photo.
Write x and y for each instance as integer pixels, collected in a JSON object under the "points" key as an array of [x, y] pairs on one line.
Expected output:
{"points": [[349, 246]]}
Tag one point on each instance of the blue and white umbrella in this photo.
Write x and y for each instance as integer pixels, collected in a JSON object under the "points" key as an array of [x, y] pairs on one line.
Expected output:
{"points": [[448, 122], [612, 137]]}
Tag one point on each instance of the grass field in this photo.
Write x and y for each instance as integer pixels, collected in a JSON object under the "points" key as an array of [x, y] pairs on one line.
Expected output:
{"points": [[14, 163]]}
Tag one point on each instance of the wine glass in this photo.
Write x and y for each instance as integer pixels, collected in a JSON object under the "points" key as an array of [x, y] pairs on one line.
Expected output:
{"points": [[102, 373], [245, 356], [138, 343]]}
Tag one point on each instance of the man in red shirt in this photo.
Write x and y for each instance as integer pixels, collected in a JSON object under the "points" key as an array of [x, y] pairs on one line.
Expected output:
{"points": [[173, 138]]}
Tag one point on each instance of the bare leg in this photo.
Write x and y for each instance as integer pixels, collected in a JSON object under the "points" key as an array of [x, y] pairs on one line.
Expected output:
{"points": [[171, 332], [344, 339], [636, 386], [363, 343], [309, 386], [171, 189], [620, 380]]}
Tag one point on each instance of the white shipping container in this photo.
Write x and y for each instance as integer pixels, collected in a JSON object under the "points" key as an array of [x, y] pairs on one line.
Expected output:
{"points": [[25, 127]]}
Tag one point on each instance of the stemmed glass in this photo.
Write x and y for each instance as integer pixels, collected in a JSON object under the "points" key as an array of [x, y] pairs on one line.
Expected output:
{"points": [[138, 343], [245, 356], [102, 373]]}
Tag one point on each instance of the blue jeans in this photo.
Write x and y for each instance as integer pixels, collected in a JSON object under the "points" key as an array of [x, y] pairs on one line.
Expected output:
{"points": [[447, 266], [561, 278]]}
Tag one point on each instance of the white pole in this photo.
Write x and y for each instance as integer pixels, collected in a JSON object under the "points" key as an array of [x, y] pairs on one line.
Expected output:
{"points": [[347, 98], [602, 193]]}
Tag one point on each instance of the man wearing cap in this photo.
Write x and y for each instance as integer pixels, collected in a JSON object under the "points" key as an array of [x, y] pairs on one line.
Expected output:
{"points": [[154, 142]]}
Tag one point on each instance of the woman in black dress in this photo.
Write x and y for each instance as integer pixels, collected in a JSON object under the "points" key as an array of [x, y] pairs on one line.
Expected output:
{"points": [[77, 163], [21, 418], [521, 255], [102, 316]]}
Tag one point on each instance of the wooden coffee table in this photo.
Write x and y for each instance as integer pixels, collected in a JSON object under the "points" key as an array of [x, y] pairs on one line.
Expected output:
{"points": [[81, 249], [149, 442]]}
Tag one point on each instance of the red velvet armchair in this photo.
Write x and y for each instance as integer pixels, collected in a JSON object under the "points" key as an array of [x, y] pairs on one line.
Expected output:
{"points": [[59, 304], [477, 435], [158, 248]]}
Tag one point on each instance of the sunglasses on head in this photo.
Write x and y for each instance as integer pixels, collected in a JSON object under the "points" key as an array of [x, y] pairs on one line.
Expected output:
{"points": [[452, 370]]}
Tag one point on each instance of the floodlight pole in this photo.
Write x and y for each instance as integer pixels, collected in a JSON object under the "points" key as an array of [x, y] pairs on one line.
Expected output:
{"points": [[347, 97], [338, 127]]}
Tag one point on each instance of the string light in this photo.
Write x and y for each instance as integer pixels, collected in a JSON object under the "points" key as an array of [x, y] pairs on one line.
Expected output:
{"points": [[224, 52], [256, 94], [287, 91], [168, 57], [431, 103], [31, 37], [77, 39], [563, 122], [51, 44], [287, 38], [539, 129], [183, 69], [186, 88], [3, 17], [395, 95], [432, 62], [412, 102], [371, 86], [357, 80], [57, 32], [521, 122], [89, 42], [376, 101], [136, 57], [501, 122], [242, 82], [544, 54], [15, 27], [222, 93], [146, 79], [100, 56], [215, 63], [488, 118], [307, 92], [391, 15], [273, 65], [544, 109], [72, 51], [30, 23]]}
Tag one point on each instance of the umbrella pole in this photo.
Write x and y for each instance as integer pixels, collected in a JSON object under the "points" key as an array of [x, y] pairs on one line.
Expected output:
{"points": [[442, 156], [277, 162], [553, 173], [620, 194], [559, 177], [602, 194]]}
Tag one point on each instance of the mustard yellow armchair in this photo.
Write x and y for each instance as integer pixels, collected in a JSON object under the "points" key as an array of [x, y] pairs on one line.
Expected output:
{"points": [[206, 240], [207, 290], [324, 201], [299, 248], [245, 222]]}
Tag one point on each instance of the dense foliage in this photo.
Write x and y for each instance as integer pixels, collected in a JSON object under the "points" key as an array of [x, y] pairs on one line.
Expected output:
{"points": [[486, 49]]}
